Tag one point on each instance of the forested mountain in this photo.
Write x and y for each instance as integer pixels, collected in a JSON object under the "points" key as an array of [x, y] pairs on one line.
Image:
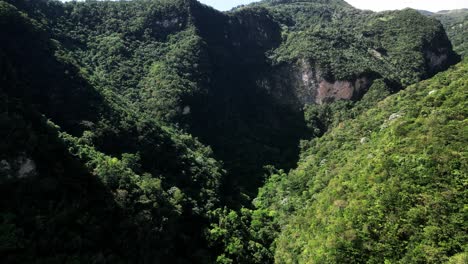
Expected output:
{"points": [[140, 131], [84, 174], [388, 186], [456, 25]]}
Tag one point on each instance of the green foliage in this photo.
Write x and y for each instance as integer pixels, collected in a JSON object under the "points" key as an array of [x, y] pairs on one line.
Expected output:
{"points": [[184, 63], [456, 24], [102, 104], [167, 60], [319, 118], [176, 78], [387, 185], [242, 235], [347, 43], [458, 259], [117, 173]]}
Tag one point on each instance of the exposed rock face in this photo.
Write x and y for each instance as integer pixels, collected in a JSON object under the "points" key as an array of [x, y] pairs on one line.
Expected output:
{"points": [[27, 167], [435, 60], [186, 110], [169, 23], [242, 38], [456, 24], [256, 30], [342, 90], [304, 83], [438, 54], [20, 167]]}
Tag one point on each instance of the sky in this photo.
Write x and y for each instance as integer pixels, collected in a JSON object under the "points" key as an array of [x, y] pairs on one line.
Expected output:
{"points": [[375, 5]]}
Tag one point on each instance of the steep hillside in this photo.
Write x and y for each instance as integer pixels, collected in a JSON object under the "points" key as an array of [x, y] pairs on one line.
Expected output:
{"points": [[389, 185], [456, 25], [239, 80], [69, 192], [170, 61], [139, 131]]}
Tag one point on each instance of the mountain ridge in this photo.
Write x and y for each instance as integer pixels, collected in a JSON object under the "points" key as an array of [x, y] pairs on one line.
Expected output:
{"points": [[456, 23], [178, 113], [329, 182]]}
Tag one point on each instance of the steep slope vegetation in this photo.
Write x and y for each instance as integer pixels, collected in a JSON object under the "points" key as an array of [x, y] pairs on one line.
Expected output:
{"points": [[69, 189], [389, 185], [239, 80], [173, 63], [100, 99], [344, 44], [456, 25]]}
